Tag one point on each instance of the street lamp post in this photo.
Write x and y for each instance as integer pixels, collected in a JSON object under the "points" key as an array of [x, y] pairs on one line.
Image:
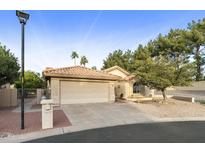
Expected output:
{"points": [[23, 17]]}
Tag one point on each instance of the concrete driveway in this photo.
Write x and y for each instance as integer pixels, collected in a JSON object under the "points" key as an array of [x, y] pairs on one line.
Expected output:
{"points": [[97, 115]]}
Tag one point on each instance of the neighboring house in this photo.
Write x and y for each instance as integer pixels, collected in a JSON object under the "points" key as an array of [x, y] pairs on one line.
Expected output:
{"points": [[79, 84]]}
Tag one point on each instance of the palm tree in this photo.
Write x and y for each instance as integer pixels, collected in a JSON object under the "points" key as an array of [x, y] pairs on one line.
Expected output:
{"points": [[83, 61], [74, 55]]}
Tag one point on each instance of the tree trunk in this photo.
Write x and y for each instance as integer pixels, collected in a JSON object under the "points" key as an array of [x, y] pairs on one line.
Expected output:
{"points": [[75, 61], [198, 64], [164, 94]]}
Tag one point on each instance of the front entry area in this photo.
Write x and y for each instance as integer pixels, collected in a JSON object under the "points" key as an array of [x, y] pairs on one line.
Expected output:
{"points": [[141, 90], [137, 88], [77, 92]]}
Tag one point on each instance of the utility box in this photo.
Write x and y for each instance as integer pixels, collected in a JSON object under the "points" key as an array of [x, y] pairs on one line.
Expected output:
{"points": [[47, 113]]}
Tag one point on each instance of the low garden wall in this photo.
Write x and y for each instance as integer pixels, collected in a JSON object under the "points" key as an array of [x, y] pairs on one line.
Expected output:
{"points": [[188, 99], [8, 97]]}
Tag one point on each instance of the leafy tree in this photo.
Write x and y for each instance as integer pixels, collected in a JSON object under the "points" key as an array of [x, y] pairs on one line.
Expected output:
{"points": [[127, 60], [197, 42], [94, 68], [153, 73], [119, 58], [74, 55], [164, 62], [83, 61], [135, 55], [167, 60], [9, 66], [174, 46], [114, 58], [32, 81]]}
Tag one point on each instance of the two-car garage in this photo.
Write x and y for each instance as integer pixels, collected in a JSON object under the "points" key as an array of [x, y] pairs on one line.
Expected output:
{"points": [[73, 92]]}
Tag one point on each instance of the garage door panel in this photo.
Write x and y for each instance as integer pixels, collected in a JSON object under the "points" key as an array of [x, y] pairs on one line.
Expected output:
{"points": [[83, 92], [82, 101]]}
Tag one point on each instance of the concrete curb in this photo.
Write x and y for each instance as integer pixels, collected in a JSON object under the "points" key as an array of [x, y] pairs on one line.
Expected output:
{"points": [[30, 136], [179, 119]]}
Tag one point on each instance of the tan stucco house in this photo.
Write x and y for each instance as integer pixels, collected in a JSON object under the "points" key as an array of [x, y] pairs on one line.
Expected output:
{"points": [[77, 84]]}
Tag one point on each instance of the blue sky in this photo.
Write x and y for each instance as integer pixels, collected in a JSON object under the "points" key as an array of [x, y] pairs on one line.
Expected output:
{"points": [[51, 36]]}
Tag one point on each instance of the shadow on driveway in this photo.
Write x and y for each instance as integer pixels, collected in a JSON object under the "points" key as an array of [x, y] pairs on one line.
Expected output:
{"points": [[166, 132]]}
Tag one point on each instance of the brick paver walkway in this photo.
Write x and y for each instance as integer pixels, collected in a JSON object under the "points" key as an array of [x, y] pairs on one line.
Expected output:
{"points": [[10, 121]]}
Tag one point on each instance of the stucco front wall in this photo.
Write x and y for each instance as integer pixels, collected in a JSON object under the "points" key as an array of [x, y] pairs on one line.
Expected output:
{"points": [[55, 90], [67, 91], [124, 89], [111, 92], [128, 88], [119, 89]]}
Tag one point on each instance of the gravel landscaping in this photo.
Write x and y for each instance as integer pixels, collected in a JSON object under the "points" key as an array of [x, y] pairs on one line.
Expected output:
{"points": [[172, 109]]}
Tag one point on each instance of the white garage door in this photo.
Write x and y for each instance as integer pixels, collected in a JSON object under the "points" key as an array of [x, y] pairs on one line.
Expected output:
{"points": [[83, 92]]}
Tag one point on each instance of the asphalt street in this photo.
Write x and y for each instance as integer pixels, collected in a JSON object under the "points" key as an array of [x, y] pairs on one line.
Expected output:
{"points": [[166, 132]]}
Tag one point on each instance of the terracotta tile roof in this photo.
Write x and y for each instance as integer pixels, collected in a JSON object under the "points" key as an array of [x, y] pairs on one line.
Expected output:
{"points": [[80, 73]]}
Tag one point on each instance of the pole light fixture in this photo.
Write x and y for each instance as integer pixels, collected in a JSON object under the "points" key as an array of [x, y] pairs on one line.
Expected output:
{"points": [[23, 17]]}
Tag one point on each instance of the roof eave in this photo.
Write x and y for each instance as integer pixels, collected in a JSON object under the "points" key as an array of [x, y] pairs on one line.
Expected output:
{"points": [[80, 77]]}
